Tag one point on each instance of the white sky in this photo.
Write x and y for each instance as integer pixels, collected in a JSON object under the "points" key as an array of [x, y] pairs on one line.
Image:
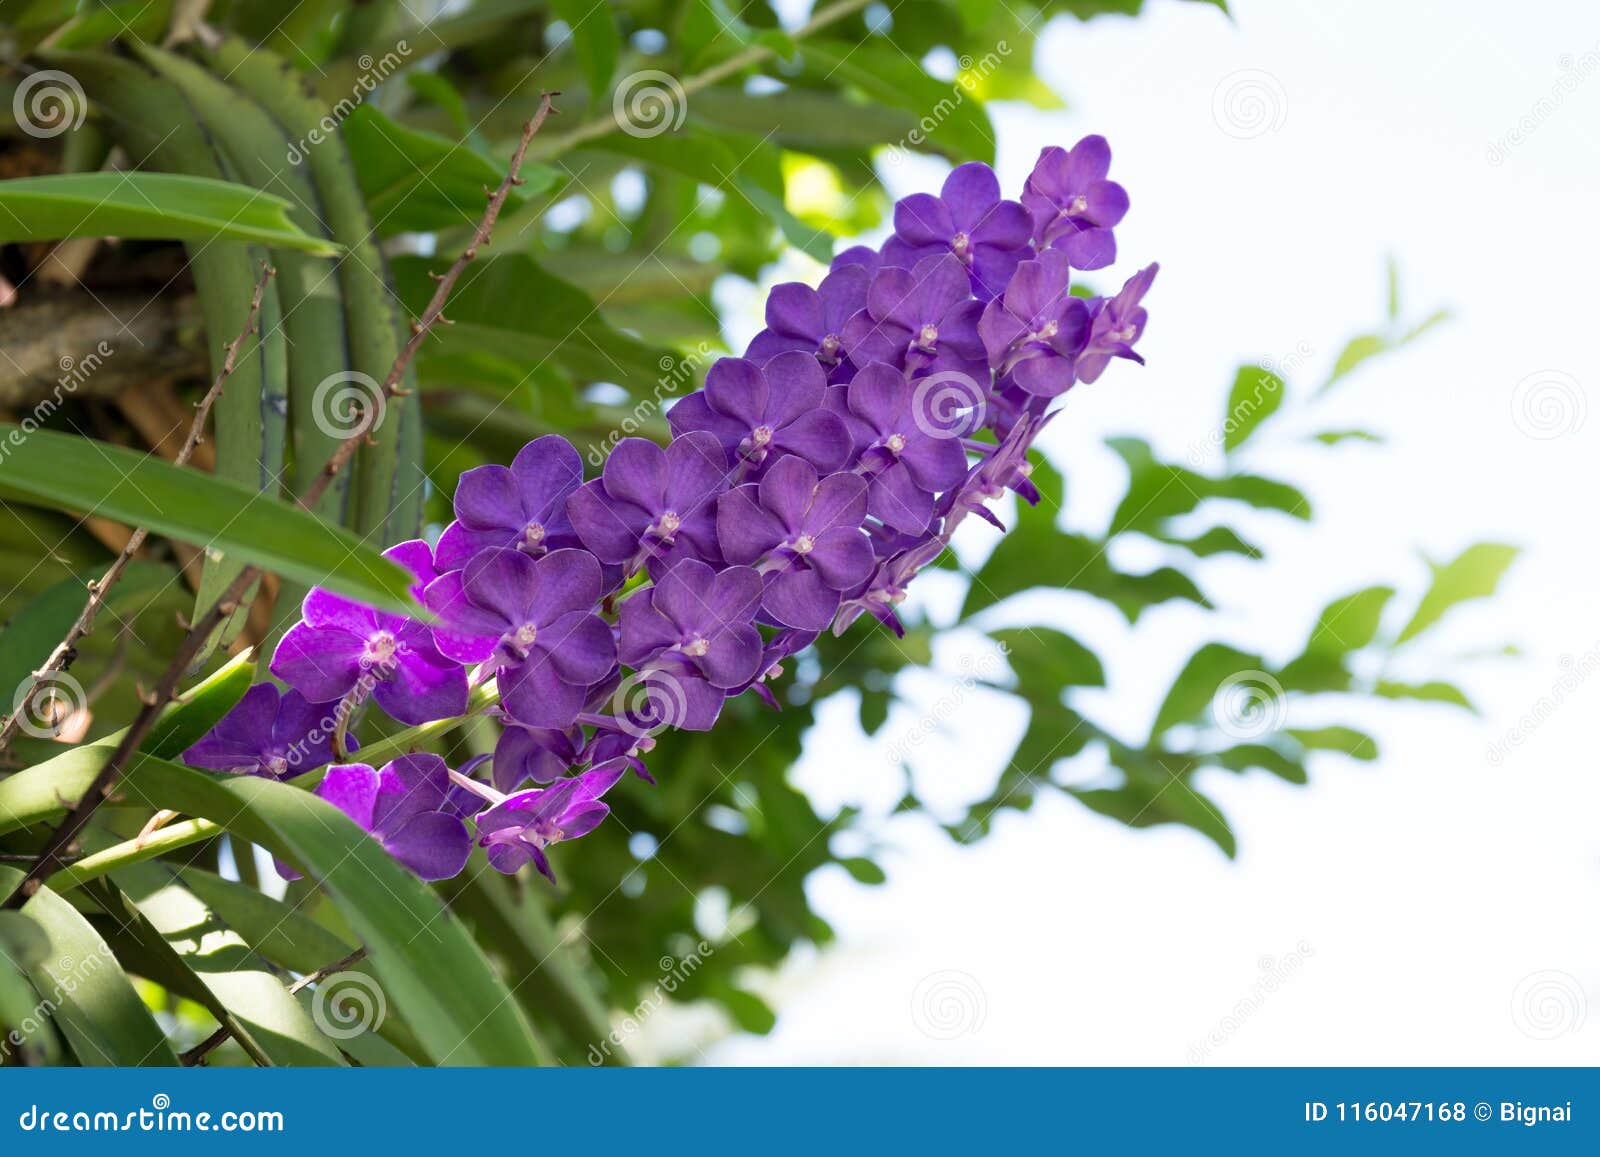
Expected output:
{"points": [[1413, 909]]}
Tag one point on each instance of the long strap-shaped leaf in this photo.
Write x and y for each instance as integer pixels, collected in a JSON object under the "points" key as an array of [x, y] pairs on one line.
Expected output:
{"points": [[166, 933], [411, 938], [90, 998], [79, 474], [157, 206]]}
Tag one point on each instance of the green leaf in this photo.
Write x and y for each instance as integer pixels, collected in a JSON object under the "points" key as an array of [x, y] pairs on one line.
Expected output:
{"points": [[1248, 755], [1344, 740], [513, 308], [33, 632], [154, 206], [411, 939], [1157, 791], [1158, 491], [749, 1011], [864, 871], [1334, 437], [1434, 691], [1473, 574], [416, 181], [1197, 684], [97, 1009], [959, 127], [595, 39], [1256, 395], [168, 934], [1346, 625], [79, 474], [1045, 659]]}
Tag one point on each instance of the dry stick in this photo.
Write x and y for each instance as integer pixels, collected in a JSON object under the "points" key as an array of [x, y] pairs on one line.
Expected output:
{"points": [[435, 309], [66, 651], [197, 1054], [62, 839]]}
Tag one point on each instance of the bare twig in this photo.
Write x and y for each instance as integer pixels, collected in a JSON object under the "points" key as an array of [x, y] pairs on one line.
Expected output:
{"points": [[434, 313], [66, 650], [62, 840]]}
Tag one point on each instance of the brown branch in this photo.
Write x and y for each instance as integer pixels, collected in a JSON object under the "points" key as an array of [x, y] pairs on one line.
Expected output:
{"points": [[61, 658], [434, 313], [62, 840]]}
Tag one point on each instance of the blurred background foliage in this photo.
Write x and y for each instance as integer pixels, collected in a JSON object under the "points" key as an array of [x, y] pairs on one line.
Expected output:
{"points": [[698, 140]]}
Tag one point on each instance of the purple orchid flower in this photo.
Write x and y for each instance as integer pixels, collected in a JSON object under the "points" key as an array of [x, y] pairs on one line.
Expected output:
{"points": [[906, 455], [533, 621], [812, 321], [541, 754], [1072, 204], [410, 807], [968, 219], [806, 532], [522, 826], [270, 735], [759, 412], [653, 505], [922, 319], [523, 506], [703, 617], [1116, 325], [1036, 330], [339, 644], [863, 255]]}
